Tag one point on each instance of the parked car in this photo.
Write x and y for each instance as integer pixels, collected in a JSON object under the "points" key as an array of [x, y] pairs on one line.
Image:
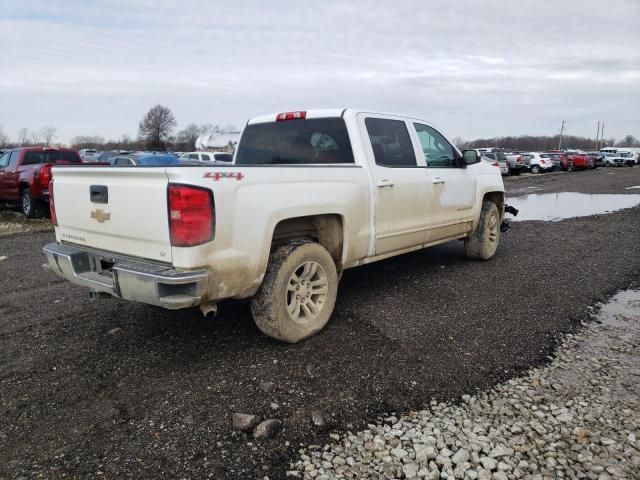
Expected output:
{"points": [[613, 160], [498, 159], [183, 236], [516, 163], [631, 158], [92, 152], [109, 154], [538, 164], [25, 174], [553, 158], [208, 156], [581, 161], [593, 159], [144, 159], [565, 161]]}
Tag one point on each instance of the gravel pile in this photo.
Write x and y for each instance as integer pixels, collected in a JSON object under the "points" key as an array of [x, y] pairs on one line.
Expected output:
{"points": [[578, 417]]}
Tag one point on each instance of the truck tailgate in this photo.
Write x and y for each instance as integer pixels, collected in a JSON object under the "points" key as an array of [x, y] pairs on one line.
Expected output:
{"points": [[122, 210]]}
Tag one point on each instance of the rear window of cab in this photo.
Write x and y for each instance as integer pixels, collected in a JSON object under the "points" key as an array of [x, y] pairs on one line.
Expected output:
{"points": [[50, 156], [314, 141]]}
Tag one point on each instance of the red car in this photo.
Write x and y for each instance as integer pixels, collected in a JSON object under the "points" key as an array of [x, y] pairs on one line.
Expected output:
{"points": [[566, 161], [25, 174], [581, 161]]}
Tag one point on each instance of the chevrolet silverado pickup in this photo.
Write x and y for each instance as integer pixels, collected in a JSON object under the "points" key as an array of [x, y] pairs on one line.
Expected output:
{"points": [[308, 195]]}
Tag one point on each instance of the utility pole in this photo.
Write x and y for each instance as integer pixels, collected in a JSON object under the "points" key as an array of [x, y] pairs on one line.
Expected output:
{"points": [[597, 135], [602, 136], [561, 132]]}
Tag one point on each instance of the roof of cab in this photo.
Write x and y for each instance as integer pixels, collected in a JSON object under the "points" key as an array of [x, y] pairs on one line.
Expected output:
{"points": [[317, 113]]}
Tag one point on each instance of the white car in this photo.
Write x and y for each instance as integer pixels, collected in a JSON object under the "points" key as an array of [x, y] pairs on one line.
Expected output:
{"points": [[309, 195], [538, 163], [208, 157]]}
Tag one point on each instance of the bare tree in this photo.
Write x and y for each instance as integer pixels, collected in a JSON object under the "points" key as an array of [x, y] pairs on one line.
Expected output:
{"points": [[48, 134], [186, 138], [629, 141], [156, 127], [23, 137], [35, 137]]}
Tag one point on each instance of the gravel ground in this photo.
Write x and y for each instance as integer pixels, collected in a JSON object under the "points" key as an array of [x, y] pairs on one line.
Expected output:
{"points": [[12, 222], [579, 417], [124, 390]]}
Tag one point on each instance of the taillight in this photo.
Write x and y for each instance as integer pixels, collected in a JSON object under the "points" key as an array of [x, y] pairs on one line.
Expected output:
{"points": [[52, 205], [542, 162], [191, 215], [496, 164], [45, 175], [291, 116]]}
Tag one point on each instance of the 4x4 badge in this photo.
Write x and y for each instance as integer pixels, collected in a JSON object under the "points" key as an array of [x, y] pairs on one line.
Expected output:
{"points": [[100, 215]]}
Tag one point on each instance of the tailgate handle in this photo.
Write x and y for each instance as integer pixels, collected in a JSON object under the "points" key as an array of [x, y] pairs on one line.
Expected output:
{"points": [[99, 194]]}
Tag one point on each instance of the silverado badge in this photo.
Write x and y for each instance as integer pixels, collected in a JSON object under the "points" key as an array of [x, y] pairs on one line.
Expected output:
{"points": [[100, 215]]}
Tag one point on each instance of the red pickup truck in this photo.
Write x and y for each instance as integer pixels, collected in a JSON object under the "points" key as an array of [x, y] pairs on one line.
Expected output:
{"points": [[25, 174]]}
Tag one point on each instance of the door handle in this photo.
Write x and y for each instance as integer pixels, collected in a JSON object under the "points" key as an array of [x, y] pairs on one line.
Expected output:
{"points": [[385, 182], [437, 181]]}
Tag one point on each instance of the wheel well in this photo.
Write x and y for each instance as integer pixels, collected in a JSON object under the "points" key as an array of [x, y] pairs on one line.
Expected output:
{"points": [[326, 229], [23, 186], [497, 198]]}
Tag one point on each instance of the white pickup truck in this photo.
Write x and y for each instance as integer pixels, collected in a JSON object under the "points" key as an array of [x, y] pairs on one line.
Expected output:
{"points": [[308, 195]]}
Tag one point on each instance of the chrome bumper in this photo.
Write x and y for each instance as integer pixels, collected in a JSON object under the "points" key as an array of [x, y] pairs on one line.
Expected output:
{"points": [[127, 278]]}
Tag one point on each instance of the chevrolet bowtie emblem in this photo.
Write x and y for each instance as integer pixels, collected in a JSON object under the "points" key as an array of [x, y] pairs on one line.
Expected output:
{"points": [[100, 215]]}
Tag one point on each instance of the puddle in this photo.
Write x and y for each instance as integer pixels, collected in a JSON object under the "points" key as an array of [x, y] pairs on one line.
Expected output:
{"points": [[557, 206]]}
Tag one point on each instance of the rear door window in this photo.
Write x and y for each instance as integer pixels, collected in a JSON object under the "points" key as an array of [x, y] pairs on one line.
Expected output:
{"points": [[205, 157], [4, 160], [314, 141], [391, 143]]}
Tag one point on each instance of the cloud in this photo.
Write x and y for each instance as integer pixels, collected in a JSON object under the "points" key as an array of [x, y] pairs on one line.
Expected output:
{"points": [[474, 68]]}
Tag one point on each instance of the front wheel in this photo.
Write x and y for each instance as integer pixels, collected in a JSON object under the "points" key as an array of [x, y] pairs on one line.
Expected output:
{"points": [[298, 293], [483, 242]]}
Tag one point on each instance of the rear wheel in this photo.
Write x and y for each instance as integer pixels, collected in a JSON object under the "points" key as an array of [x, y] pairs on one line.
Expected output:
{"points": [[535, 169], [30, 207], [515, 171], [483, 242], [298, 293]]}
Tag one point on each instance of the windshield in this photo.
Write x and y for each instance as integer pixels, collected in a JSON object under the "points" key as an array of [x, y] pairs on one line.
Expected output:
{"points": [[310, 141]]}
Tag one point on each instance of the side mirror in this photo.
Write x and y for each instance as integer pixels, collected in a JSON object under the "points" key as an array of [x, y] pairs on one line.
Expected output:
{"points": [[470, 157]]}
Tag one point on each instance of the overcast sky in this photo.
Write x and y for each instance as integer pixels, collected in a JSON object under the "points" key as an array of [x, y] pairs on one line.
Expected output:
{"points": [[474, 68]]}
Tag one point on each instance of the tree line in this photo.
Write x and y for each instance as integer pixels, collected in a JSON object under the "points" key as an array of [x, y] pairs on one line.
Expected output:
{"points": [[542, 142]]}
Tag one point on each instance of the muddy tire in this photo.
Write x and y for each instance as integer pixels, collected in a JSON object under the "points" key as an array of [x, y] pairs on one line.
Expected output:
{"points": [[483, 242], [298, 293], [30, 207]]}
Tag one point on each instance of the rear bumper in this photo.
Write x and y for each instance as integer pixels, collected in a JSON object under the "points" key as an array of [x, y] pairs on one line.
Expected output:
{"points": [[127, 278]]}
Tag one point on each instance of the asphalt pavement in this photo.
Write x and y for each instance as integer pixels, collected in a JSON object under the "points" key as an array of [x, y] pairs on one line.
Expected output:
{"points": [[109, 388]]}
